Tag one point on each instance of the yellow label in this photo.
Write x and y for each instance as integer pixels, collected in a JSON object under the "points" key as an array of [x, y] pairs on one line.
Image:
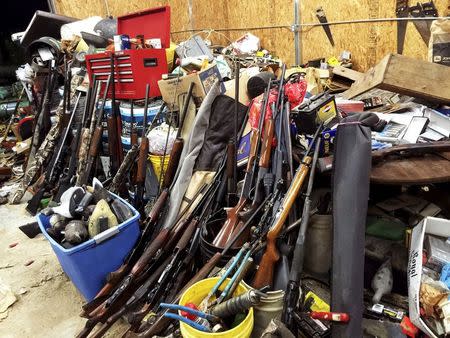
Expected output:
{"points": [[327, 111], [333, 61], [318, 304]]}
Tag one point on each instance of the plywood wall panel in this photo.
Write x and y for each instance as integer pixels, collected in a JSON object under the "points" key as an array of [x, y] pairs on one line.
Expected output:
{"points": [[368, 42]]}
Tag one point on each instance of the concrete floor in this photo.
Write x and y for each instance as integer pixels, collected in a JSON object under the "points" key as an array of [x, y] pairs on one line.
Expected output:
{"points": [[47, 304]]}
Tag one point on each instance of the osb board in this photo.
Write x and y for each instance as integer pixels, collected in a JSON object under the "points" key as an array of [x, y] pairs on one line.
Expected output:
{"points": [[279, 41], [368, 42], [82, 9]]}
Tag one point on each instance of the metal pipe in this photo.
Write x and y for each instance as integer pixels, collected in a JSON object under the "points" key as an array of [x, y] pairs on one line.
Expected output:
{"points": [[312, 24], [296, 30]]}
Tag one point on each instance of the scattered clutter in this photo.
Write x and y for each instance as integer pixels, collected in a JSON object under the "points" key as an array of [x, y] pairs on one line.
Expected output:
{"points": [[200, 190]]}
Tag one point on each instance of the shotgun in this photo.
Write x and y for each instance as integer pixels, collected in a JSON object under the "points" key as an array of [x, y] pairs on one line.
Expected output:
{"points": [[177, 148], [264, 182], [55, 166], [143, 158], [119, 178], [233, 214], [177, 261], [162, 322], [96, 142], [108, 307], [404, 150], [68, 174], [114, 122], [42, 119], [293, 287], [88, 130], [264, 274], [115, 277]]}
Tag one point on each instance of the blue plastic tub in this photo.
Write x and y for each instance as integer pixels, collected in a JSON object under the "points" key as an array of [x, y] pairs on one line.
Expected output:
{"points": [[88, 264]]}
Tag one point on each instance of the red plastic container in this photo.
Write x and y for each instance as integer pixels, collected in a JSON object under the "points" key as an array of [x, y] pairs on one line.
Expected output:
{"points": [[136, 67]]}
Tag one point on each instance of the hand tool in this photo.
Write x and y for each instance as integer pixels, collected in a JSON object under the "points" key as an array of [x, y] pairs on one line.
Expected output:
{"points": [[320, 14], [401, 12]]}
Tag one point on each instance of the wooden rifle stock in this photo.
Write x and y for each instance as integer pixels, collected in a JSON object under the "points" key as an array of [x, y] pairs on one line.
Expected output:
{"points": [[174, 160], [142, 161], [232, 220], [96, 138], [264, 161], [264, 275], [266, 150]]}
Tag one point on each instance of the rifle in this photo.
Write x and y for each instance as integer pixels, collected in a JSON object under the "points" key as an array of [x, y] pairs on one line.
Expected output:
{"points": [[133, 132], [177, 148], [119, 178], [96, 138], [264, 275], [292, 291], [264, 180], [42, 123], [54, 167], [114, 122], [155, 247], [143, 158], [68, 174], [404, 150], [177, 261], [233, 214], [162, 322], [88, 130], [115, 277]]}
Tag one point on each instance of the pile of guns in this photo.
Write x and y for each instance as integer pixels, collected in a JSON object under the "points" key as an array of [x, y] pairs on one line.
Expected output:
{"points": [[165, 261], [78, 142]]}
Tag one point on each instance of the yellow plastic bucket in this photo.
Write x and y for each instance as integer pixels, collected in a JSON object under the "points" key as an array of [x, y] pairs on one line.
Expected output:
{"points": [[157, 161], [196, 293]]}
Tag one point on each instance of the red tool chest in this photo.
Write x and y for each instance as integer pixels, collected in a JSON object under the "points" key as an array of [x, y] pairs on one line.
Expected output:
{"points": [[134, 68]]}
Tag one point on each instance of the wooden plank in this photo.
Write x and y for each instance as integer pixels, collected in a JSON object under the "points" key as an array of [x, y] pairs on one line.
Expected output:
{"points": [[429, 168], [347, 73], [406, 76], [372, 79]]}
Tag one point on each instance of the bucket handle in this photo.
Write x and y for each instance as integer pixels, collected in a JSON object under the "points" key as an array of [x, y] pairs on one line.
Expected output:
{"points": [[103, 236]]}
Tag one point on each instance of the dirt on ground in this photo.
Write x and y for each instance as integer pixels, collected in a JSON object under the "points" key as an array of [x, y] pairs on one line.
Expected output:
{"points": [[46, 303]]}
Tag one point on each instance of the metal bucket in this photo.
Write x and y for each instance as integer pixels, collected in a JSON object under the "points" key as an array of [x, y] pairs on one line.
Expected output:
{"points": [[318, 244], [269, 308]]}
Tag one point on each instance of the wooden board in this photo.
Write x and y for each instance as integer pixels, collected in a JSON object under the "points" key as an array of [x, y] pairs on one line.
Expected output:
{"points": [[429, 168], [407, 76], [368, 42], [347, 73]]}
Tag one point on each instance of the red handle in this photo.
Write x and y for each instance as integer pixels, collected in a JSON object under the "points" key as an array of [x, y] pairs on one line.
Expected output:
{"points": [[332, 316]]}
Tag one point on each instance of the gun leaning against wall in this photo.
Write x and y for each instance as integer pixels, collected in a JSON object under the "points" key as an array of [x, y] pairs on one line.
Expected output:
{"points": [[88, 129], [96, 142], [233, 219], [292, 291], [264, 275], [55, 166]]}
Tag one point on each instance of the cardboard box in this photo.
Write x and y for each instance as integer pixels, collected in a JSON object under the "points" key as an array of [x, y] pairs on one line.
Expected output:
{"points": [[433, 226], [171, 89]]}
